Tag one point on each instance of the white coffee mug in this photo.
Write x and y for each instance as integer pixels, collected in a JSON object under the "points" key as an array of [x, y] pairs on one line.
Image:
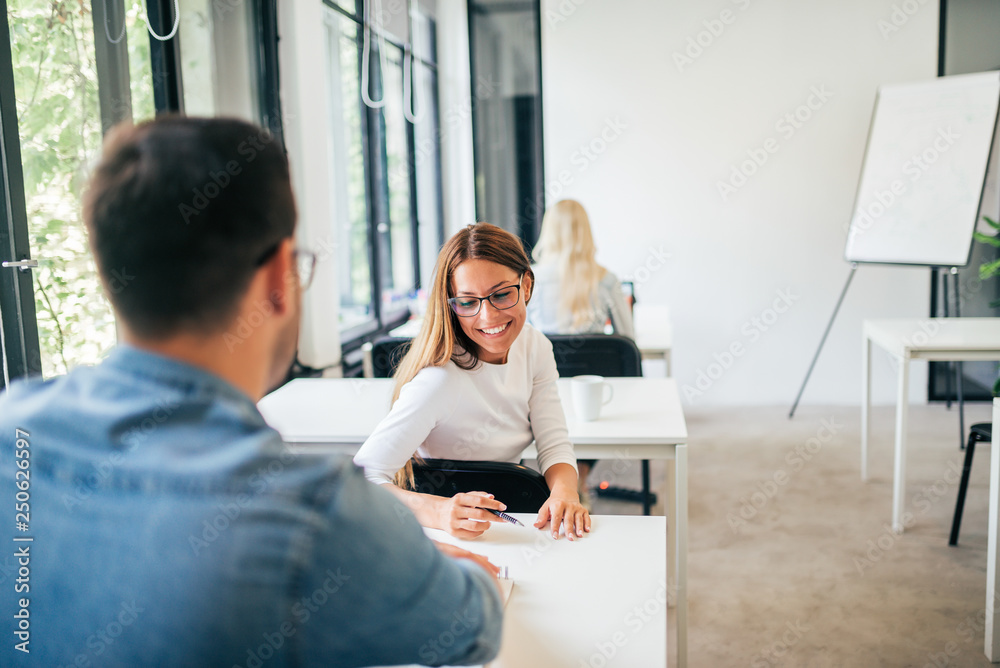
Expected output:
{"points": [[589, 395]]}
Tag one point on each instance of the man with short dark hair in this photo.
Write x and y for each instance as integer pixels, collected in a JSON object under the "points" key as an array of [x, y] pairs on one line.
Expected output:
{"points": [[159, 520]]}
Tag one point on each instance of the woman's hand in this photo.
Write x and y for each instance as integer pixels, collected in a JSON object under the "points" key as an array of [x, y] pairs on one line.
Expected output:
{"points": [[456, 552], [463, 516], [565, 508]]}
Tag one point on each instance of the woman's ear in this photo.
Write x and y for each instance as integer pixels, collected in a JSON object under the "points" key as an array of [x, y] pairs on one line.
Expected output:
{"points": [[526, 285]]}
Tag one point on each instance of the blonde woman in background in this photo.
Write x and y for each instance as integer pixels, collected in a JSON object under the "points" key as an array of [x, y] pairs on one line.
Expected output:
{"points": [[573, 294]]}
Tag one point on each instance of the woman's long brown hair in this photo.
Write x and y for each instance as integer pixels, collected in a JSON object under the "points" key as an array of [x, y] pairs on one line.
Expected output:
{"points": [[441, 338]]}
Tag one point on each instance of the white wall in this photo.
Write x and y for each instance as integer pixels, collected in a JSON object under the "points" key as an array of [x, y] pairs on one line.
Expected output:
{"points": [[664, 135], [305, 118], [457, 98]]}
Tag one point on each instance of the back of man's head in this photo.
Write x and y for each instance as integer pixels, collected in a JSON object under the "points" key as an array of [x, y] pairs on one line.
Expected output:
{"points": [[181, 213]]}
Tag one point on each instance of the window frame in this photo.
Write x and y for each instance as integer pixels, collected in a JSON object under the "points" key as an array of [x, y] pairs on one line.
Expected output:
{"points": [[19, 344], [376, 180], [21, 351]]}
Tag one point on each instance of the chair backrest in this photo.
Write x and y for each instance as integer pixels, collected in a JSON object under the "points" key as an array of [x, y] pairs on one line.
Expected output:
{"points": [[523, 490], [387, 353], [607, 355]]}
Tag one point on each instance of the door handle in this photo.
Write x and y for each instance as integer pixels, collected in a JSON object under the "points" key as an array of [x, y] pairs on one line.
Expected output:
{"points": [[22, 265]]}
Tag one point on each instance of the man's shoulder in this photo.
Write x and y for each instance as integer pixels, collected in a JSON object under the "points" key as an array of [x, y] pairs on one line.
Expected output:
{"points": [[29, 396]]}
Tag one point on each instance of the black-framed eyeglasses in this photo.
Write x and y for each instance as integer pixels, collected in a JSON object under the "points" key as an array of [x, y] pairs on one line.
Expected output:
{"points": [[502, 299], [305, 263]]}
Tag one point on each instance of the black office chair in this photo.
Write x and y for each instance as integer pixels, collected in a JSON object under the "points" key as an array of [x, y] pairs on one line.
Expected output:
{"points": [[608, 355], [979, 432], [387, 353], [521, 489]]}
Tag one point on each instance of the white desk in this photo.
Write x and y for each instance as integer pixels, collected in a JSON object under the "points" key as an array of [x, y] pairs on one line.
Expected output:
{"points": [[992, 642], [644, 420], [600, 600], [653, 333], [933, 339]]}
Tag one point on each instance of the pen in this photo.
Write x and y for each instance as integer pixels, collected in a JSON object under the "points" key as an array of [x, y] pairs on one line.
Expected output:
{"points": [[504, 516]]}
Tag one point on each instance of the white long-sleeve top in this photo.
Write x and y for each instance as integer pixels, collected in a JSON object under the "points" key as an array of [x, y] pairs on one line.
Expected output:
{"points": [[489, 413]]}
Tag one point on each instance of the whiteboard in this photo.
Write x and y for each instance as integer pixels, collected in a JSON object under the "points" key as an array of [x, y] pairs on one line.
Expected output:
{"points": [[924, 172]]}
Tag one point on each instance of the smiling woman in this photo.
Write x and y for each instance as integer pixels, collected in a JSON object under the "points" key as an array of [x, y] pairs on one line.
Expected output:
{"points": [[476, 362]]}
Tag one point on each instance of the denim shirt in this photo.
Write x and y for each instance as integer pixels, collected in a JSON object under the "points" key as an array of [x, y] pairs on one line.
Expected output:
{"points": [[170, 526]]}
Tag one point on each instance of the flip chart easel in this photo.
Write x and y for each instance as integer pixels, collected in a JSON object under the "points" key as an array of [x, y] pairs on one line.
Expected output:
{"points": [[929, 153]]}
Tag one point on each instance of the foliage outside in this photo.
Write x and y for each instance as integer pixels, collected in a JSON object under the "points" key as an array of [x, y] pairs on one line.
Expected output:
{"points": [[59, 121], [989, 270]]}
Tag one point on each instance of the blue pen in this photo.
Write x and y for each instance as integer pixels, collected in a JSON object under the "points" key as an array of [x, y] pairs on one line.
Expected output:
{"points": [[504, 516]]}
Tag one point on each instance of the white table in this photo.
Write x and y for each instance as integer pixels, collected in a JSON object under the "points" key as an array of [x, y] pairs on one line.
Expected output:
{"points": [[933, 339], [992, 643], [644, 420], [600, 600]]}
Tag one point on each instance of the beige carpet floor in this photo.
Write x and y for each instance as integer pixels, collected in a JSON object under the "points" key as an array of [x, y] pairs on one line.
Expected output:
{"points": [[791, 561]]}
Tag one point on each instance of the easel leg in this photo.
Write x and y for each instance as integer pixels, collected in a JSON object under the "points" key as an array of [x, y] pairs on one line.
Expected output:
{"points": [[854, 267]]}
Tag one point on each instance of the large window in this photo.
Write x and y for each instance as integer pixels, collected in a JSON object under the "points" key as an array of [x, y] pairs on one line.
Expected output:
{"points": [[54, 58], [507, 127], [386, 190], [68, 72]]}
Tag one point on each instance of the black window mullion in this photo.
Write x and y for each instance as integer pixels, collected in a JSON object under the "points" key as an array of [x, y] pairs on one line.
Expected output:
{"points": [[165, 58], [269, 85], [370, 120], [411, 161], [21, 352], [381, 221]]}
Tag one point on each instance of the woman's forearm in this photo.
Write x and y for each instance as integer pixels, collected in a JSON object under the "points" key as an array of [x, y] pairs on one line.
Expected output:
{"points": [[426, 507], [562, 480]]}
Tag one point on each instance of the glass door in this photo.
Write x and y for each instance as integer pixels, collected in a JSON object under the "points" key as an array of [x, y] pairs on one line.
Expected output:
{"points": [[69, 86]]}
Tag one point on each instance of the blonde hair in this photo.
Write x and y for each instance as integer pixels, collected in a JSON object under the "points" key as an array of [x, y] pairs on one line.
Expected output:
{"points": [[441, 338], [566, 242]]}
